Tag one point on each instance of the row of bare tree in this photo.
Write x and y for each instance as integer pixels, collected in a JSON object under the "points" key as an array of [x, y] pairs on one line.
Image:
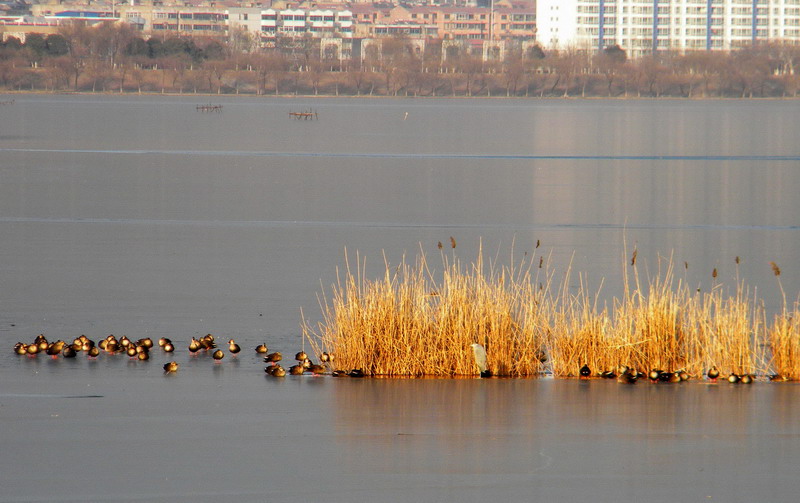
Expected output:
{"points": [[113, 57]]}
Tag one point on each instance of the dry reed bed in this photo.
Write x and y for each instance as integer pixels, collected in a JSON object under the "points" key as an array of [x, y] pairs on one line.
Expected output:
{"points": [[414, 322]]}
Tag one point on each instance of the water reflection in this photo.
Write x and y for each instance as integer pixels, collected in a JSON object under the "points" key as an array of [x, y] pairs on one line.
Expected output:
{"points": [[559, 432]]}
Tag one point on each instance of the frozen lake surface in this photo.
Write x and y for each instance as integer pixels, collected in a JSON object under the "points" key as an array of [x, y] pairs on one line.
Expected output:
{"points": [[116, 430], [138, 215]]}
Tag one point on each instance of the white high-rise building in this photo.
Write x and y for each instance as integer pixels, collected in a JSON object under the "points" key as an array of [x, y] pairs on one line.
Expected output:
{"points": [[643, 26]]}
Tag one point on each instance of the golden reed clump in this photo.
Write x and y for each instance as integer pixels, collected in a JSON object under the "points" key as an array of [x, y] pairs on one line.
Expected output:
{"points": [[412, 322]]}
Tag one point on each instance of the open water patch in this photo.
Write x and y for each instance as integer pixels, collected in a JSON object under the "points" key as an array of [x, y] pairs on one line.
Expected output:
{"points": [[390, 155], [397, 225], [41, 395]]}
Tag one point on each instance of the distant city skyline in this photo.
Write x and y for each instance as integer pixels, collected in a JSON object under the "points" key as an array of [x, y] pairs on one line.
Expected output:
{"points": [[639, 27]]}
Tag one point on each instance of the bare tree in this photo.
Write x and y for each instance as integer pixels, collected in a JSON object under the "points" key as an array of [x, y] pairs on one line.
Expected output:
{"points": [[314, 73], [653, 74], [58, 72], [565, 66], [214, 71], [471, 69], [611, 63], [513, 71], [99, 74]]}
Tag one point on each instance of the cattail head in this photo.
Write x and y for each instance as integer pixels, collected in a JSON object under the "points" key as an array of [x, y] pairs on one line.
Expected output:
{"points": [[440, 245], [775, 269], [633, 258], [714, 273], [686, 265], [452, 242], [737, 260], [537, 243]]}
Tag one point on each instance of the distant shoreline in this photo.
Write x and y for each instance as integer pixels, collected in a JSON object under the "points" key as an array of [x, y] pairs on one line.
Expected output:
{"points": [[380, 96]]}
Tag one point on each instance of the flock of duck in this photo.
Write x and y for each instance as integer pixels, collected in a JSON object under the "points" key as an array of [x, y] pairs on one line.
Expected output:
{"points": [[630, 376], [303, 365], [140, 350]]}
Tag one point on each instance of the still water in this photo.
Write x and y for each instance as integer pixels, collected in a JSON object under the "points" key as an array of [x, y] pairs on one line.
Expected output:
{"points": [[143, 216]]}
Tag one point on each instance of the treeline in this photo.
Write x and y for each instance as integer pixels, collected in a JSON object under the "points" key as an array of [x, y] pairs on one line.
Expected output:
{"points": [[114, 57]]}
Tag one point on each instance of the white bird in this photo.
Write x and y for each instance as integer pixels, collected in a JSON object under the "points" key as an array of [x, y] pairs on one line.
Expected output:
{"points": [[480, 358]]}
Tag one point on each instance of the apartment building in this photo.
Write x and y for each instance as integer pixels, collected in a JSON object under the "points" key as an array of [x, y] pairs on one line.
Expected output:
{"points": [[450, 23], [182, 20], [501, 21], [319, 23], [644, 26]]}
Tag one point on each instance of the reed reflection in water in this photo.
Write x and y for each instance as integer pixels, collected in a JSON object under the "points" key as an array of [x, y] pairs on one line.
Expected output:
{"points": [[548, 440]]}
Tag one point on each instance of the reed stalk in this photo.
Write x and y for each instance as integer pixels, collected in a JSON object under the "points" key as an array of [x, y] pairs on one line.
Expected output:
{"points": [[784, 344]]}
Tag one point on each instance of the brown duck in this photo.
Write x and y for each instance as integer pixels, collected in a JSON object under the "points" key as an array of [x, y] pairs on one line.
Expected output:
{"points": [[273, 357]]}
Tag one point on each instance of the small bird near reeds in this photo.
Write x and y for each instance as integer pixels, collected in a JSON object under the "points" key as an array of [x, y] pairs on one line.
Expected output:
{"points": [[585, 371], [171, 367], [713, 373]]}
